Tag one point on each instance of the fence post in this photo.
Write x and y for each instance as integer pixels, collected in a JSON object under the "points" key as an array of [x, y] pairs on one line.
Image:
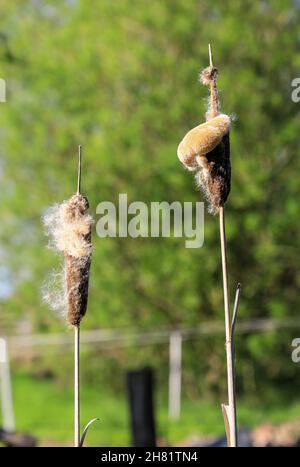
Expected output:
{"points": [[2, 90], [8, 416], [175, 356]]}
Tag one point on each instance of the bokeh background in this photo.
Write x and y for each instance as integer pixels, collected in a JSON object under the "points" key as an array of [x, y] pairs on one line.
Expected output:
{"points": [[121, 78]]}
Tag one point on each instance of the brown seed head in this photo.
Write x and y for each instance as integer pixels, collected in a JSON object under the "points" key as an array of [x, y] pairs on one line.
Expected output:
{"points": [[69, 226], [208, 75], [205, 149]]}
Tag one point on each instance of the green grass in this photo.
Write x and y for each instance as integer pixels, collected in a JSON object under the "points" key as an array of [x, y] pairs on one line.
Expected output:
{"points": [[44, 409]]}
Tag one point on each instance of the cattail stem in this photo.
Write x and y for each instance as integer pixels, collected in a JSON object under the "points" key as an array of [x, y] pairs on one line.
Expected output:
{"points": [[209, 157], [229, 410], [76, 387], [214, 101], [214, 96], [69, 226], [232, 424], [77, 345], [79, 168]]}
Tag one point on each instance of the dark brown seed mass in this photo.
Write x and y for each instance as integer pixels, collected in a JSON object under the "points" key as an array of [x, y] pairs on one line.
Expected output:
{"points": [[215, 180], [219, 182], [77, 278], [77, 268]]}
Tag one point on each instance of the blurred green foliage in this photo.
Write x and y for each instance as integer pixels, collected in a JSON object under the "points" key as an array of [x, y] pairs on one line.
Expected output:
{"points": [[120, 77], [199, 418]]}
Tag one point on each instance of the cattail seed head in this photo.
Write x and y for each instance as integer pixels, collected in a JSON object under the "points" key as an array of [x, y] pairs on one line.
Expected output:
{"points": [[69, 227], [215, 179], [205, 149], [202, 139], [77, 274]]}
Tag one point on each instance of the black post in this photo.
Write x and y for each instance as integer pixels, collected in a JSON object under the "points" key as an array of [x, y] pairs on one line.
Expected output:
{"points": [[140, 391]]}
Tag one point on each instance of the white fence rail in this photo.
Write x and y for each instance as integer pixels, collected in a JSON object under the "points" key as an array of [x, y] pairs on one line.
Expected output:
{"points": [[128, 337]]}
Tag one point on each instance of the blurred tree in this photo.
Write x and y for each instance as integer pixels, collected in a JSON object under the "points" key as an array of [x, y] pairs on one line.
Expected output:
{"points": [[121, 78]]}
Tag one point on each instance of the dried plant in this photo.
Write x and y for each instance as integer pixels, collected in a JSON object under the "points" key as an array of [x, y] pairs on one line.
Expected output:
{"points": [[68, 226], [205, 150]]}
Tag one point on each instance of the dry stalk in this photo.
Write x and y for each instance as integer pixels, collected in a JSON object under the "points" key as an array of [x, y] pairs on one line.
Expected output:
{"points": [[69, 227], [205, 150]]}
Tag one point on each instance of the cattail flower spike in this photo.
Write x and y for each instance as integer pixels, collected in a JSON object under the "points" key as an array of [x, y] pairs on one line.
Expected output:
{"points": [[205, 150], [69, 228]]}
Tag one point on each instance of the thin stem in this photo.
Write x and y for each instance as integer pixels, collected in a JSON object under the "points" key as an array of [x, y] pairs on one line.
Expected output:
{"points": [[79, 168], [229, 337], [229, 410], [76, 387], [235, 309], [214, 97], [210, 55]]}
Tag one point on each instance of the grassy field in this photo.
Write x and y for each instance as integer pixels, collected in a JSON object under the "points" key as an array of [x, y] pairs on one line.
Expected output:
{"points": [[44, 409]]}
